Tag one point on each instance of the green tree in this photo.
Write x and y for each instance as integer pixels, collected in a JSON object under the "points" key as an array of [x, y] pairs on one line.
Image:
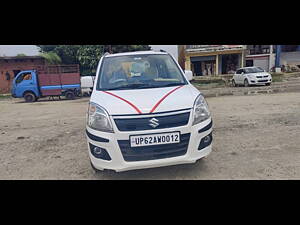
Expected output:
{"points": [[126, 48], [21, 55], [51, 57], [87, 56]]}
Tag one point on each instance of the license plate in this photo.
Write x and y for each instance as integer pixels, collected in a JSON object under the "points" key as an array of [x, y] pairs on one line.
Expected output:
{"points": [[154, 139]]}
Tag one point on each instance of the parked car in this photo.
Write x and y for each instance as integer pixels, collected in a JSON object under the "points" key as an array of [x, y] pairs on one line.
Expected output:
{"points": [[87, 84], [251, 76], [144, 113]]}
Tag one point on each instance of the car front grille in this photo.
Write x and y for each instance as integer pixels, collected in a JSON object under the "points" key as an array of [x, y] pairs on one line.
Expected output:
{"points": [[144, 123], [154, 152], [263, 81]]}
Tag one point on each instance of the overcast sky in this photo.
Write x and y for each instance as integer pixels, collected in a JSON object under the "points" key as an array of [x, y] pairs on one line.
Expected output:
{"points": [[13, 50], [30, 50]]}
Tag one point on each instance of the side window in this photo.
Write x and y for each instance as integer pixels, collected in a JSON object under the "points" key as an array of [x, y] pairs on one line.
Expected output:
{"points": [[239, 72], [24, 76]]}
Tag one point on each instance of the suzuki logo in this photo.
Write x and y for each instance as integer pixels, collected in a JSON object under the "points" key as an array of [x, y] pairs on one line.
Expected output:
{"points": [[154, 123]]}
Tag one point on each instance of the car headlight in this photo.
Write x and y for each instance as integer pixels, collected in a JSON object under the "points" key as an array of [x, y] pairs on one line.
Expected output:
{"points": [[98, 118], [201, 111]]}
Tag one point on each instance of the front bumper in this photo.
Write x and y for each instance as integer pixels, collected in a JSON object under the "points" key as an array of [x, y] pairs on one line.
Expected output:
{"points": [[109, 142], [260, 81]]}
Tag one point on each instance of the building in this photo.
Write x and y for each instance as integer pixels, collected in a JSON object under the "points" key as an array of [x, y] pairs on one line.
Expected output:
{"points": [[11, 66], [261, 55], [288, 55], [226, 59], [270, 56], [211, 59]]}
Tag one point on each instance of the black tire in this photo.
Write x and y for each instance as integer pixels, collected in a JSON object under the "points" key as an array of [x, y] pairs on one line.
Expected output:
{"points": [[268, 84], [234, 84], [246, 83], [30, 97], [70, 95]]}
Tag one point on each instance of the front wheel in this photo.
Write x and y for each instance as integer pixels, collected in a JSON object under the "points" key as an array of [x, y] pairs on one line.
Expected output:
{"points": [[269, 84], [233, 83], [246, 83], [29, 97]]}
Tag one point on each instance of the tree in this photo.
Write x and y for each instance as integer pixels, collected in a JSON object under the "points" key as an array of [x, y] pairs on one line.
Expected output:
{"points": [[51, 57], [126, 48], [87, 56], [21, 55]]}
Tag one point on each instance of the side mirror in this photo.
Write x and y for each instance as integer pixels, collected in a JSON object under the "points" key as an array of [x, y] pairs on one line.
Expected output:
{"points": [[189, 75]]}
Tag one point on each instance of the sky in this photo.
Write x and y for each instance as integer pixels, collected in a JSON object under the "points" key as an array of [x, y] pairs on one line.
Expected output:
{"points": [[13, 50], [31, 50]]}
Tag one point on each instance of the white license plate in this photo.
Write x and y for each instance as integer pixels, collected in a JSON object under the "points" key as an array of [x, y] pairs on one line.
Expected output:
{"points": [[154, 139]]}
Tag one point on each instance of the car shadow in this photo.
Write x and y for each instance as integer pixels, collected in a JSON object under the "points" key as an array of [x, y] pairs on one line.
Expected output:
{"points": [[176, 172], [47, 100]]}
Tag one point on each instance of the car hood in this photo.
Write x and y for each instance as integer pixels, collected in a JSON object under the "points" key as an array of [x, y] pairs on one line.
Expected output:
{"points": [[127, 102]]}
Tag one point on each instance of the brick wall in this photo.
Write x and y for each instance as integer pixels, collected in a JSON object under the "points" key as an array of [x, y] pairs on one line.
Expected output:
{"points": [[9, 64]]}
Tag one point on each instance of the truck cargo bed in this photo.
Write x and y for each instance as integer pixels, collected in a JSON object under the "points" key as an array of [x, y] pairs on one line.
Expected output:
{"points": [[54, 80]]}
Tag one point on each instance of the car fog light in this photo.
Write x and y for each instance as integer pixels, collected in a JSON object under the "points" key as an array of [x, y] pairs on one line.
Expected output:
{"points": [[206, 139], [99, 153], [97, 150], [205, 142]]}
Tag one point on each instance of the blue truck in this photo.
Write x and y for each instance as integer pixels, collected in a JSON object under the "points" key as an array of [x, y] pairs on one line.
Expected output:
{"points": [[63, 80]]}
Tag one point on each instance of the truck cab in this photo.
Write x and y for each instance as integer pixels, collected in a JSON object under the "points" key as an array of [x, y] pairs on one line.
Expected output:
{"points": [[25, 84]]}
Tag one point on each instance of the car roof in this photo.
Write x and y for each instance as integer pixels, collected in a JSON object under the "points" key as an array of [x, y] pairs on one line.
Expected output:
{"points": [[249, 67], [136, 53]]}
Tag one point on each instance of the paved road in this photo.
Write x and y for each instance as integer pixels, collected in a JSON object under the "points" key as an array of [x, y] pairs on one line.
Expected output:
{"points": [[255, 137]]}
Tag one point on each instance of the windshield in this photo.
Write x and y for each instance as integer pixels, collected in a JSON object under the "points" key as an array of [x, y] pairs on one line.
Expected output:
{"points": [[138, 72], [254, 70]]}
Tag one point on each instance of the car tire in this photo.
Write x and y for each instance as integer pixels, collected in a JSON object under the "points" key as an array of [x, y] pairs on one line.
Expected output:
{"points": [[234, 84], [30, 97], [246, 83], [70, 95], [268, 84]]}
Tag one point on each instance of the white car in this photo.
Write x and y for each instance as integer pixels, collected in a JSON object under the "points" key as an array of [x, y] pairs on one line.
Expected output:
{"points": [[144, 113], [251, 76], [87, 84]]}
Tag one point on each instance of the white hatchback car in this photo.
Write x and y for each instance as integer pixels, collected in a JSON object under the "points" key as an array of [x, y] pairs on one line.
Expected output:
{"points": [[251, 76], [144, 113]]}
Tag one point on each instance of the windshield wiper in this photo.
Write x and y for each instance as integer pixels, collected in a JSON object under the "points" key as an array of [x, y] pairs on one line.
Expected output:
{"points": [[130, 86], [171, 85]]}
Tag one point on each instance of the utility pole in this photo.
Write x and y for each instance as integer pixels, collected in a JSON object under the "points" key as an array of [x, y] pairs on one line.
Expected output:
{"points": [[271, 58], [277, 61]]}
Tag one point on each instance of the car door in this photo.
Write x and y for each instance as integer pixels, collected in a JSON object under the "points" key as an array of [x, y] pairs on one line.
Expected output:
{"points": [[242, 76], [236, 76], [25, 82]]}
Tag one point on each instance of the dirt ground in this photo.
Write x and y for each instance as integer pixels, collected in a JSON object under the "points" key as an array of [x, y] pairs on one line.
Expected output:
{"points": [[256, 136]]}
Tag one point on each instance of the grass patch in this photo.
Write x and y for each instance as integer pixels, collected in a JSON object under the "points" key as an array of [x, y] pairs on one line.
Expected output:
{"points": [[4, 96], [277, 77]]}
